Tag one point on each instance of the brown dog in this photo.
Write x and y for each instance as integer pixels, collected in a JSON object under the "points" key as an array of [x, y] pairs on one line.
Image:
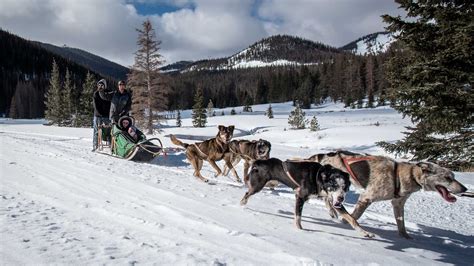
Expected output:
{"points": [[386, 179], [211, 150], [249, 151]]}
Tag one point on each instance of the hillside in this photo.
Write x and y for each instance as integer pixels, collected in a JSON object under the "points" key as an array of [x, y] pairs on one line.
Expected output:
{"points": [[91, 61], [374, 43], [26, 67], [278, 50], [280, 68]]}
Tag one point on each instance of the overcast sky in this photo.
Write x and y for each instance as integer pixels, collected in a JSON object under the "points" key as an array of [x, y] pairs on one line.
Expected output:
{"points": [[189, 29]]}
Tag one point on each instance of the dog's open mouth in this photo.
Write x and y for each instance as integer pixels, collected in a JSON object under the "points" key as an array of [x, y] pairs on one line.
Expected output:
{"points": [[445, 193], [337, 205]]}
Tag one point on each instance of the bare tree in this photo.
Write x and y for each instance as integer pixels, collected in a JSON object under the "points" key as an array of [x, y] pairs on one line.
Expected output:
{"points": [[147, 83]]}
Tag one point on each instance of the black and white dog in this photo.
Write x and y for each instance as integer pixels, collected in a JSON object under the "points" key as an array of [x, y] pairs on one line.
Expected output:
{"points": [[305, 178]]}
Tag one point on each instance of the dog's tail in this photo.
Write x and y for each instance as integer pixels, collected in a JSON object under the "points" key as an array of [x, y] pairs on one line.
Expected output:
{"points": [[178, 142]]}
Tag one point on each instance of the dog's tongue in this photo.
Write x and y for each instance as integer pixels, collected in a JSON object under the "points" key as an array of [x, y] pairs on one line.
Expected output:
{"points": [[445, 194]]}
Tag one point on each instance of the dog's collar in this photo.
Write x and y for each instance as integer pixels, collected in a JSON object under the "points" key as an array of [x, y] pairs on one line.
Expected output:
{"points": [[421, 182], [220, 142]]}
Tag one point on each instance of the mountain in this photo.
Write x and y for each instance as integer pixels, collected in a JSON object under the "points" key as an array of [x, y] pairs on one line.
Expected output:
{"points": [[177, 66], [25, 69], [91, 61], [374, 43], [278, 50]]}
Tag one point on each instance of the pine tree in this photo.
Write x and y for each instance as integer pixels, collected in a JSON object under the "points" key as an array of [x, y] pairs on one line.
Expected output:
{"points": [[53, 97], [313, 124], [269, 112], [297, 118], [199, 113], [86, 110], [370, 80], [178, 119], [248, 104], [148, 84], [431, 79], [304, 94], [67, 105], [232, 112], [261, 94], [13, 108], [210, 107]]}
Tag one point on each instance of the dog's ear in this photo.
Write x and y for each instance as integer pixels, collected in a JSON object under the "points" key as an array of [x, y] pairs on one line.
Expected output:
{"points": [[323, 172], [231, 128], [417, 172], [268, 143], [221, 127], [424, 166]]}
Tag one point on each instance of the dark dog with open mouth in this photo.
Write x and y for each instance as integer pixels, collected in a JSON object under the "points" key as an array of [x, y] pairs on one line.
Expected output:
{"points": [[306, 178], [211, 150], [249, 151], [386, 179]]}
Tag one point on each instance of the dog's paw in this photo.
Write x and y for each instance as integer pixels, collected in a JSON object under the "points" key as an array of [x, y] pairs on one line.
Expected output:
{"points": [[368, 235], [333, 214], [243, 202]]}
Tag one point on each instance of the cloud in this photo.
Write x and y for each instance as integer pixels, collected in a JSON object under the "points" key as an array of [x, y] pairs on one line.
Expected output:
{"points": [[332, 22], [198, 29], [210, 30], [103, 27]]}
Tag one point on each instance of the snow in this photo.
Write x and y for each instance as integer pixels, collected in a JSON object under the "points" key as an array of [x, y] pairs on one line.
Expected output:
{"points": [[63, 204], [258, 63], [230, 64], [378, 45]]}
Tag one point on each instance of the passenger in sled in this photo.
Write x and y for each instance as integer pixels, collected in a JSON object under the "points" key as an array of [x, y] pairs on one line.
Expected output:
{"points": [[134, 134], [130, 143]]}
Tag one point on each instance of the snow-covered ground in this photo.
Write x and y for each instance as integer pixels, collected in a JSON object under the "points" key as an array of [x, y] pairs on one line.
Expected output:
{"points": [[63, 204]]}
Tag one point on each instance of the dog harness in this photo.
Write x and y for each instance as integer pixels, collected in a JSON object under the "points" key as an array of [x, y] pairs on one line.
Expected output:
{"points": [[348, 161], [289, 175], [204, 154], [200, 151]]}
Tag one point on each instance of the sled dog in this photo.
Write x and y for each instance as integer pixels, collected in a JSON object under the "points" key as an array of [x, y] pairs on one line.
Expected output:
{"points": [[386, 179], [210, 150], [306, 178], [249, 151]]}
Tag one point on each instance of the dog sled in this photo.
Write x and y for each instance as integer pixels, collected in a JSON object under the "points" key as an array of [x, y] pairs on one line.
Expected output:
{"points": [[122, 145]]}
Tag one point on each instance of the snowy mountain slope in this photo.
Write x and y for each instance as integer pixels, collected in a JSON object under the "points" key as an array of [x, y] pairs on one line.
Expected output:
{"points": [[62, 204], [278, 50], [374, 43]]}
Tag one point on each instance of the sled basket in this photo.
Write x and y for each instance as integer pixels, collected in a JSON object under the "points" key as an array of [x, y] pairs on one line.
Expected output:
{"points": [[143, 151]]}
